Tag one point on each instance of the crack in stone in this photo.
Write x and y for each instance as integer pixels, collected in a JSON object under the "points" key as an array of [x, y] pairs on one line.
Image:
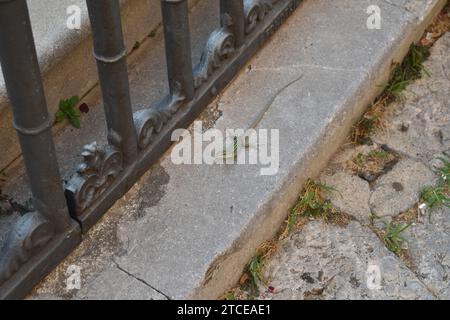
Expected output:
{"points": [[416, 275], [141, 280]]}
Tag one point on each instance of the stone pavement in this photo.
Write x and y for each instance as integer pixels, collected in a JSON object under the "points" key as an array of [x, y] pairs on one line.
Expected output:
{"points": [[324, 261]]}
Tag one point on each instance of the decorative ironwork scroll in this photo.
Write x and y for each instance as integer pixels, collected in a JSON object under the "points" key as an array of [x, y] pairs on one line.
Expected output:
{"points": [[255, 11], [101, 166], [149, 122], [219, 47], [30, 234]]}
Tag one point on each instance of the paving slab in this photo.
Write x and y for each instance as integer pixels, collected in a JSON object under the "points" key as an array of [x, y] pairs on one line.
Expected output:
{"points": [[353, 194], [329, 262], [400, 189], [429, 247], [189, 230]]}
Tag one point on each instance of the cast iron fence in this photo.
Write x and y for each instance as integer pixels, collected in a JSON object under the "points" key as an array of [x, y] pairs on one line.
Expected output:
{"points": [[41, 239]]}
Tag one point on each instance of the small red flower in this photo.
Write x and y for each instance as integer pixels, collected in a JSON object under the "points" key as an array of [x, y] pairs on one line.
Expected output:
{"points": [[271, 289], [84, 108]]}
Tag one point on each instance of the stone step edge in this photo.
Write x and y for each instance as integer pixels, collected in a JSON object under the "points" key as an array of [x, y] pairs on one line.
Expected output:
{"points": [[221, 274]]}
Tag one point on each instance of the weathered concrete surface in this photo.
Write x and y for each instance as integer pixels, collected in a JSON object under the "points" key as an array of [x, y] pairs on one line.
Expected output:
{"points": [[323, 261], [329, 262], [188, 231], [101, 277], [400, 189], [65, 55], [353, 196], [424, 111], [429, 247], [121, 286]]}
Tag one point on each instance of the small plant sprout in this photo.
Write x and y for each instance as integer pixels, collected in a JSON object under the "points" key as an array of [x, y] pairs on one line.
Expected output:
{"points": [[312, 203], [444, 173], [438, 196], [377, 154], [67, 111], [401, 76], [392, 237], [410, 69], [136, 45], [373, 156], [253, 276], [435, 197], [230, 296], [254, 268]]}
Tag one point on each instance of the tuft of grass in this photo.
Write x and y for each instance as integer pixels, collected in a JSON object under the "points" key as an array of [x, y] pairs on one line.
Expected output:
{"points": [[435, 197], [409, 70], [392, 236], [401, 76], [253, 273], [373, 164], [312, 203], [230, 296], [378, 154], [444, 173], [362, 159], [136, 45], [254, 269], [67, 111], [439, 195], [365, 127]]}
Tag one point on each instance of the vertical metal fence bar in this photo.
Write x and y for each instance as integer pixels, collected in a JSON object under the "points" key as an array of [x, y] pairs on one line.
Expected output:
{"points": [[31, 119], [235, 10], [178, 47], [110, 53]]}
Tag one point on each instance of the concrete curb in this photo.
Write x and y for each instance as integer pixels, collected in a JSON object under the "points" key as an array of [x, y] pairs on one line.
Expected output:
{"points": [[224, 271]]}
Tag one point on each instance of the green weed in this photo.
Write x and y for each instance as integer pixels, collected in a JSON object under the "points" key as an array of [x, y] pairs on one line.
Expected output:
{"points": [[67, 111], [392, 236]]}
